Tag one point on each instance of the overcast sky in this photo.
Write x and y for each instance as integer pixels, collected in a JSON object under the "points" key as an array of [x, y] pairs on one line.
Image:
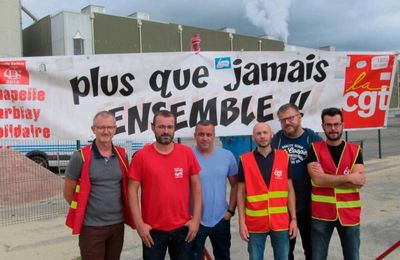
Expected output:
{"points": [[349, 25]]}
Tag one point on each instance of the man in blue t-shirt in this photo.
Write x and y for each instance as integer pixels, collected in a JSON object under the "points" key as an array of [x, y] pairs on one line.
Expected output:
{"points": [[297, 140], [217, 166]]}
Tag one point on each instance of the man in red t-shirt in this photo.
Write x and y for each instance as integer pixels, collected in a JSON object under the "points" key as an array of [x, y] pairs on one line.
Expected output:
{"points": [[167, 174]]}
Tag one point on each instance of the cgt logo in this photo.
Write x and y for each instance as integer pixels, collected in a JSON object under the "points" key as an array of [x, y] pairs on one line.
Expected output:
{"points": [[278, 174], [178, 173], [222, 63], [367, 90], [13, 72], [346, 171]]}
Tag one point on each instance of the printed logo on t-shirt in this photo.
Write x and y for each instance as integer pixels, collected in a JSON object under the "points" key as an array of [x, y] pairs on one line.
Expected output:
{"points": [[346, 171], [178, 172], [297, 153], [278, 174]]}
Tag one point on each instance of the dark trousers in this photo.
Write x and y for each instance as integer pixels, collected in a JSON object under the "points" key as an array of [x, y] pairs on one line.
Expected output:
{"points": [[98, 243], [220, 237], [178, 248], [304, 226]]}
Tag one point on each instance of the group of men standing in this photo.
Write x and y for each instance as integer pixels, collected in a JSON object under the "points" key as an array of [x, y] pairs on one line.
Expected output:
{"points": [[175, 196]]}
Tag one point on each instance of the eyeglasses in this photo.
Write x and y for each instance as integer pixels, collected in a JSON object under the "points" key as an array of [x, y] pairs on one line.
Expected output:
{"points": [[289, 118], [165, 127], [103, 128], [335, 125]]}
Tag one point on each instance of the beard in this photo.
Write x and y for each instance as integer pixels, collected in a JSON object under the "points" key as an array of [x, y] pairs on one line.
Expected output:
{"points": [[164, 138], [331, 138], [263, 145], [291, 130]]}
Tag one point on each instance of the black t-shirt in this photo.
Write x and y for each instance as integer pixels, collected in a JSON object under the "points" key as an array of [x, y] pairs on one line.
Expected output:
{"points": [[336, 152], [264, 165]]}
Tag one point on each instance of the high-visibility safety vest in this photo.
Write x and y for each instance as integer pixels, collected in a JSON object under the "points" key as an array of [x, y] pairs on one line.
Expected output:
{"points": [[76, 213], [332, 203], [266, 208]]}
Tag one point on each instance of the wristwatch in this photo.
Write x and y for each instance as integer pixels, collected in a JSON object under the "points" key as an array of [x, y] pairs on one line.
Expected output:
{"points": [[231, 211]]}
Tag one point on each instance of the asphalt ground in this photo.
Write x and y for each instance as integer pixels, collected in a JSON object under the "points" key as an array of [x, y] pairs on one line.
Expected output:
{"points": [[379, 143]]}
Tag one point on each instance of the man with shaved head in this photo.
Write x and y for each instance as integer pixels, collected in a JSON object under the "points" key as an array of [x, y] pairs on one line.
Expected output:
{"points": [[218, 166], [266, 198]]}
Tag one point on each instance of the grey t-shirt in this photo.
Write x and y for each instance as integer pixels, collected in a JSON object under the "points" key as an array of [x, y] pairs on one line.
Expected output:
{"points": [[105, 201]]}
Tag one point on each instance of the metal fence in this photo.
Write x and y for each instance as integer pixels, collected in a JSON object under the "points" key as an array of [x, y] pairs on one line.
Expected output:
{"points": [[31, 177], [29, 191]]}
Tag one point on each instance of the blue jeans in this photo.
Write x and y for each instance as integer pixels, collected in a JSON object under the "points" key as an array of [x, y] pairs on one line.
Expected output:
{"points": [[174, 240], [279, 241], [220, 237], [321, 233]]}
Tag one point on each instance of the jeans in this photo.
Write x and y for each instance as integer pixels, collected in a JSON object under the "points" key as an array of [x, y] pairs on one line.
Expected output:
{"points": [[279, 241], [304, 226], [174, 240], [103, 242], [220, 237], [321, 233]]}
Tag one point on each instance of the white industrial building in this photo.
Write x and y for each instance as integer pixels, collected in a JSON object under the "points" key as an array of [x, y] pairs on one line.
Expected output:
{"points": [[10, 28]]}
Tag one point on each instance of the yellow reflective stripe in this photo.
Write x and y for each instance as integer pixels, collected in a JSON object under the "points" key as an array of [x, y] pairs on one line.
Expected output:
{"points": [[121, 159], [256, 213], [74, 204], [345, 191], [257, 198], [83, 157], [266, 212], [278, 194], [267, 196], [313, 184], [349, 204], [78, 188], [277, 210], [321, 198]]}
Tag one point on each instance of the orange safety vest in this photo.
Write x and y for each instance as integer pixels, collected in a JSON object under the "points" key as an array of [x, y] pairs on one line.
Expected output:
{"points": [[76, 213], [266, 208], [330, 203]]}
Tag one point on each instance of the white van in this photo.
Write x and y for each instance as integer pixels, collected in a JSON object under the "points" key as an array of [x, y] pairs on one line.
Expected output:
{"points": [[55, 155]]}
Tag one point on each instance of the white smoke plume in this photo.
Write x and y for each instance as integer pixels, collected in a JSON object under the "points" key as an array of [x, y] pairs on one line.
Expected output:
{"points": [[271, 16]]}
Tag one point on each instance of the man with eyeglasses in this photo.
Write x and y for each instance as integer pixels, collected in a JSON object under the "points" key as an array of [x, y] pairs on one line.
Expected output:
{"points": [[297, 140], [337, 172], [167, 174], [96, 181]]}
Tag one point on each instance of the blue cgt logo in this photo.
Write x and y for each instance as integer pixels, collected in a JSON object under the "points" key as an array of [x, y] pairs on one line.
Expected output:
{"points": [[223, 63]]}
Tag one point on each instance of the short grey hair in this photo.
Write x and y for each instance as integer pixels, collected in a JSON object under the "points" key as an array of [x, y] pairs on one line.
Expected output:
{"points": [[103, 113]]}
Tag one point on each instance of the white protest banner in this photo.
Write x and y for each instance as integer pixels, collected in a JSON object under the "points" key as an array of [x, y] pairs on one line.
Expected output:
{"points": [[56, 97]]}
